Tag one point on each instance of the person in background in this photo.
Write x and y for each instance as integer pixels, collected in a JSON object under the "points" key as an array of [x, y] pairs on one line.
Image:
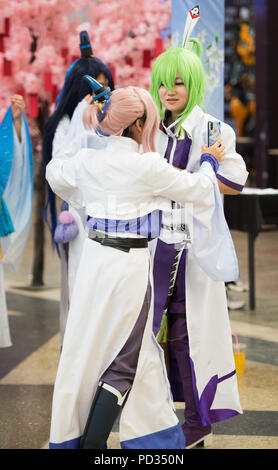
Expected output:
{"points": [[64, 132], [16, 198]]}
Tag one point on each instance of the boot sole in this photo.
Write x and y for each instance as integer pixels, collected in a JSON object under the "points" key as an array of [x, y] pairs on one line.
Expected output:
{"points": [[204, 442]]}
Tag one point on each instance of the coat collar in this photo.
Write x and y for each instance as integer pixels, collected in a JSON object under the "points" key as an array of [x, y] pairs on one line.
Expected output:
{"points": [[192, 119], [188, 124]]}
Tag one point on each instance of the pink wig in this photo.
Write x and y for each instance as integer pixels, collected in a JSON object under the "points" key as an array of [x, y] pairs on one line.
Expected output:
{"points": [[127, 105]]}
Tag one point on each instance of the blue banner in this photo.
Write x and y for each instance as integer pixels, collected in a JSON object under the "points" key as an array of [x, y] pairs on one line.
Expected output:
{"points": [[209, 30]]}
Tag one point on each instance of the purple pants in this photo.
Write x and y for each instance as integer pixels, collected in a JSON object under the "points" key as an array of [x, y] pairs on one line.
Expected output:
{"points": [[121, 372], [180, 367], [178, 347]]}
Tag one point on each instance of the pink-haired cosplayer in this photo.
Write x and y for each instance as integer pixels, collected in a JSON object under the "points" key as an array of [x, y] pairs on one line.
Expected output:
{"points": [[111, 361]]}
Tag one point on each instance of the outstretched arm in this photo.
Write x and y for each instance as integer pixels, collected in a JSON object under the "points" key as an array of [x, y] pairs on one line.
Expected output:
{"points": [[185, 187]]}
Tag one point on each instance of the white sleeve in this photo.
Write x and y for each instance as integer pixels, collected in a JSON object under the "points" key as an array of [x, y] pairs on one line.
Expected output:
{"points": [[232, 170], [212, 244], [182, 186], [60, 136], [62, 176]]}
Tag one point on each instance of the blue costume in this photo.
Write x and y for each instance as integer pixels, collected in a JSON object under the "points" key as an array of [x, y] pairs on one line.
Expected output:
{"points": [[16, 196]]}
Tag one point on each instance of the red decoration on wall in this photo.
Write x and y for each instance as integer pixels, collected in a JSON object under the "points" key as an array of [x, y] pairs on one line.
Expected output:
{"points": [[129, 61], [54, 93], [33, 105], [47, 78], [159, 46], [74, 58], [64, 54], [7, 67], [2, 43], [7, 26], [147, 58]]}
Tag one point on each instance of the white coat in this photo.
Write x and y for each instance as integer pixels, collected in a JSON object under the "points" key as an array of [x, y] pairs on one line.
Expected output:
{"points": [[71, 136]]}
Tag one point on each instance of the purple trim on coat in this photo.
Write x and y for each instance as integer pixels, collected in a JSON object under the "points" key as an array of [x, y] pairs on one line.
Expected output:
{"points": [[208, 157], [169, 148], [227, 376], [231, 184], [181, 154], [203, 404], [170, 438], [180, 159], [71, 444], [148, 225]]}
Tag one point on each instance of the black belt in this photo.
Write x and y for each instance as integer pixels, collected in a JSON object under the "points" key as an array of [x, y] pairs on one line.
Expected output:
{"points": [[123, 244]]}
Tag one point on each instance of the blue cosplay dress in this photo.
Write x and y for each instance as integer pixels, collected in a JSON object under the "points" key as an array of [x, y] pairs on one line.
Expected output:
{"points": [[16, 196]]}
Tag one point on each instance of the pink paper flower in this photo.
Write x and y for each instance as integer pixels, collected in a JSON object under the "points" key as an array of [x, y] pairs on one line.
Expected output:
{"points": [[41, 29]]}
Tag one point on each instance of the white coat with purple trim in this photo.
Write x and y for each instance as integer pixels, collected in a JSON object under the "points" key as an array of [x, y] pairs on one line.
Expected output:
{"points": [[208, 266]]}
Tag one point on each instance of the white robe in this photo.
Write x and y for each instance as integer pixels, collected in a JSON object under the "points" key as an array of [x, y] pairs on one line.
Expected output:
{"points": [[208, 266], [119, 183], [71, 136]]}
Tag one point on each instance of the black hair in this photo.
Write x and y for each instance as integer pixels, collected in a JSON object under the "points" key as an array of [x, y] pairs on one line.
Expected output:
{"points": [[127, 132]]}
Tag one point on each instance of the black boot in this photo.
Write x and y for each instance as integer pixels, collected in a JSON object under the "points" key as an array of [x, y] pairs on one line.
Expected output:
{"points": [[105, 408]]}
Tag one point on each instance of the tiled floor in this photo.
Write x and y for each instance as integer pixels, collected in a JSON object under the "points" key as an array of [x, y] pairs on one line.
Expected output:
{"points": [[28, 368]]}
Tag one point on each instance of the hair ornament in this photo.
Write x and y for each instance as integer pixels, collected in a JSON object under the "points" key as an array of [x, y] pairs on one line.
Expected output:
{"points": [[85, 45], [191, 21], [101, 95]]}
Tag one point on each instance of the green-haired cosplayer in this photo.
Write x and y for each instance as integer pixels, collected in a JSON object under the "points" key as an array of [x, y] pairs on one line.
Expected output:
{"points": [[199, 340], [188, 67]]}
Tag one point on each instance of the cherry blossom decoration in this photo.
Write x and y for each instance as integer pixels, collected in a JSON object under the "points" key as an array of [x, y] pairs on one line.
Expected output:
{"points": [[39, 39]]}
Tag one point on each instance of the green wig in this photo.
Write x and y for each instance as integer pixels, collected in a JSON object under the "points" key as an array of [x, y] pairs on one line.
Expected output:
{"points": [[188, 64]]}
